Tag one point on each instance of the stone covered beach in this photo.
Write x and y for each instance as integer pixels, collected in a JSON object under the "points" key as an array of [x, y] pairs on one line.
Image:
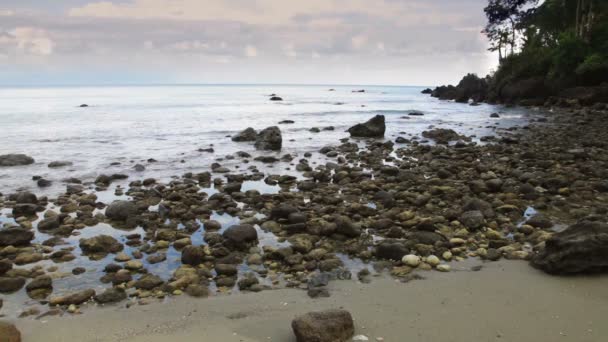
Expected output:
{"points": [[370, 218]]}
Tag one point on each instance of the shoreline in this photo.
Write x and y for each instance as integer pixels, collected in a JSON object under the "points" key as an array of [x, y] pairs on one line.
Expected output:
{"points": [[505, 301]]}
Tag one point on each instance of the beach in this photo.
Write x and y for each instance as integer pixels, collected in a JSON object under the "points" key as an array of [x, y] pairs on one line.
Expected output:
{"points": [[505, 301]]}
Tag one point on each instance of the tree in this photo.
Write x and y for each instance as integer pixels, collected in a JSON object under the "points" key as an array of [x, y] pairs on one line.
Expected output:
{"points": [[504, 18]]}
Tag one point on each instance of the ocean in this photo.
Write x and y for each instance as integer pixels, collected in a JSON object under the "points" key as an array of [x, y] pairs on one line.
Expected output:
{"points": [[126, 125]]}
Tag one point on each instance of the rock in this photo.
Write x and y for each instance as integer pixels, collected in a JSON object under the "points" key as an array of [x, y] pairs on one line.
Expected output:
{"points": [[139, 168], [148, 282], [411, 260], [9, 332], [192, 255], [494, 115], [121, 210], [249, 134], [25, 197], [324, 326], [102, 244], [442, 135], [212, 225], [283, 211], [197, 290], [15, 236], [134, 265], [9, 285], [43, 183], [40, 282], [433, 260], [240, 235], [111, 295], [443, 268], [373, 128], [539, 221], [346, 227], [269, 139], [581, 248], [75, 298], [391, 250], [276, 98], [28, 210], [318, 292], [473, 219], [57, 164], [15, 160]]}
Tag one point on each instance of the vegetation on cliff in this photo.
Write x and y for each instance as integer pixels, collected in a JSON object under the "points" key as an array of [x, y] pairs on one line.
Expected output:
{"points": [[546, 49]]}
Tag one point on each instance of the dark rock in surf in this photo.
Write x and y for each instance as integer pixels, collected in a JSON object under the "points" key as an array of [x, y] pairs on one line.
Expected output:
{"points": [[374, 128], [269, 139]]}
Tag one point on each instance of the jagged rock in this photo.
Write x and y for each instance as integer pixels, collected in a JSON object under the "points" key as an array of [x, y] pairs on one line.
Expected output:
{"points": [[373, 128], [581, 248]]}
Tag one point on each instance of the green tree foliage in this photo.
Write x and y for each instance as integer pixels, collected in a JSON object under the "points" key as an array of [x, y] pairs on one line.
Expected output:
{"points": [[563, 41]]}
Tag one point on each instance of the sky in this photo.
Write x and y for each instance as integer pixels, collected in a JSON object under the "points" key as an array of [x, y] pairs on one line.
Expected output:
{"points": [[386, 42]]}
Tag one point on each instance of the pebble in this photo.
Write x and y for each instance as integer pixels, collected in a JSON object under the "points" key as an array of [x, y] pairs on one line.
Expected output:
{"points": [[411, 260], [433, 260]]}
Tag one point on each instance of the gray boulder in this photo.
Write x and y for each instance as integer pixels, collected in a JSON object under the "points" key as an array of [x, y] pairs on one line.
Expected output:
{"points": [[373, 128], [249, 134], [324, 326], [269, 139], [581, 248], [15, 160], [121, 210]]}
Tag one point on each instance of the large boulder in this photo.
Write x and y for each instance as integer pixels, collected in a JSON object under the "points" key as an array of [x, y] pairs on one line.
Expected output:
{"points": [[324, 326], [240, 235], [269, 139], [391, 250], [102, 244], [373, 128], [10, 285], [15, 160], [24, 197], [249, 134], [581, 248], [121, 210], [15, 236], [192, 255], [9, 333]]}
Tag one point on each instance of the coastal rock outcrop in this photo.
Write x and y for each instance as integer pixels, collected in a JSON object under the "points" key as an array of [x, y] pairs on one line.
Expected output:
{"points": [[373, 128], [15, 160], [269, 139], [324, 326], [581, 248]]}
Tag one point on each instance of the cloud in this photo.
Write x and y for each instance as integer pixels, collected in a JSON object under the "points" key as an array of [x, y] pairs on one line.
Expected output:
{"points": [[6, 13], [251, 51], [305, 38]]}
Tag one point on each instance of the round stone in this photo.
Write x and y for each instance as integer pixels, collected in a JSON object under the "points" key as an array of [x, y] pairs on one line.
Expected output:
{"points": [[411, 260], [433, 260]]}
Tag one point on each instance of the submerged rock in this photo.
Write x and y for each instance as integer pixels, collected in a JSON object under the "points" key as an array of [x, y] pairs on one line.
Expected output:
{"points": [[581, 248], [373, 128], [102, 244], [15, 160], [324, 326], [15, 237]]}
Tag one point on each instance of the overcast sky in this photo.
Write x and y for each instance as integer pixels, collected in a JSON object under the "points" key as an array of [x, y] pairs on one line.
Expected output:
{"points": [[402, 42]]}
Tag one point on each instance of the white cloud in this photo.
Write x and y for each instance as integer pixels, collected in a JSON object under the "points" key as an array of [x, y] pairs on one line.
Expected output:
{"points": [[289, 50], [28, 40], [6, 13], [251, 51], [359, 41]]}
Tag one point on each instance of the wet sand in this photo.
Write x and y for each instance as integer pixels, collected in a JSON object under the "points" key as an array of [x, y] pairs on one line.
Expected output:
{"points": [[505, 301]]}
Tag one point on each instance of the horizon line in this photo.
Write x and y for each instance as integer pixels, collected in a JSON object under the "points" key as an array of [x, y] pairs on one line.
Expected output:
{"points": [[155, 84]]}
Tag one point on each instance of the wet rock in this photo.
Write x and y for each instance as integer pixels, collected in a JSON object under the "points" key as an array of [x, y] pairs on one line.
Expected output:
{"points": [[40, 286], [43, 183], [121, 210], [473, 219], [539, 221], [324, 326], [111, 295], [249, 134], [9, 332], [75, 298], [25, 197], [411, 260], [319, 292], [247, 281], [240, 235], [9, 285], [442, 135], [282, 211], [269, 139], [192, 255], [15, 160], [148, 282], [28, 210], [197, 290], [15, 237], [581, 248], [5, 266], [391, 250], [276, 98], [57, 164], [373, 128], [102, 244], [346, 227]]}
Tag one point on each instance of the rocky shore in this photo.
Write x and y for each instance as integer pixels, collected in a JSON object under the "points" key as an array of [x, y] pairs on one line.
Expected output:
{"points": [[396, 208]]}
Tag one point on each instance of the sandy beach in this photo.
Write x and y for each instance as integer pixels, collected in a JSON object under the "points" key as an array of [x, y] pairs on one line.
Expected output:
{"points": [[505, 301]]}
